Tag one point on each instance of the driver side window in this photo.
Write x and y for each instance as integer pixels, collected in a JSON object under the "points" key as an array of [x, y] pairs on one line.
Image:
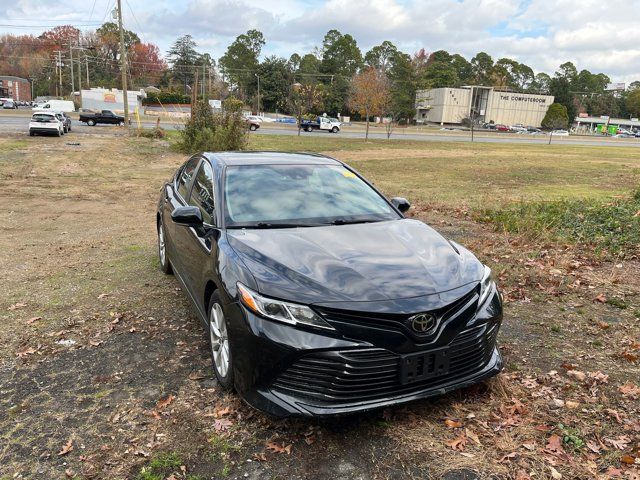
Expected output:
{"points": [[184, 180], [202, 192]]}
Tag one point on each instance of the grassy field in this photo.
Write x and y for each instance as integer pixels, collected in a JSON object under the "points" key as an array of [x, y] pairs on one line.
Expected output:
{"points": [[103, 353], [459, 174]]}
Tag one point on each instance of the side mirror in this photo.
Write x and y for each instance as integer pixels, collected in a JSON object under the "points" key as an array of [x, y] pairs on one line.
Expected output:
{"points": [[400, 203], [188, 216]]}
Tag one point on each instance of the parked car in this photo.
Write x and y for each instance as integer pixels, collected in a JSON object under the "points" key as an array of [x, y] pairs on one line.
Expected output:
{"points": [[518, 127], [66, 121], [9, 104], [253, 124], [45, 122], [318, 295], [105, 116], [502, 128], [489, 126], [560, 133], [321, 123], [57, 105]]}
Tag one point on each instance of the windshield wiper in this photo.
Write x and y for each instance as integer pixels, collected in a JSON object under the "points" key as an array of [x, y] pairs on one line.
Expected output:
{"points": [[265, 225], [341, 221]]}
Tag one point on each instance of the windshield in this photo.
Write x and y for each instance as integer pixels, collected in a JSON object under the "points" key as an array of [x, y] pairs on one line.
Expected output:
{"points": [[300, 195]]}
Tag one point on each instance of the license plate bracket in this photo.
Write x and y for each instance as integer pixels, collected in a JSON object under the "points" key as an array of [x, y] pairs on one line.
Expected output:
{"points": [[421, 366]]}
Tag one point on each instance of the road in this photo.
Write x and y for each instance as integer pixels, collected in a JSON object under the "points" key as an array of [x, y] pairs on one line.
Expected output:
{"points": [[17, 121]]}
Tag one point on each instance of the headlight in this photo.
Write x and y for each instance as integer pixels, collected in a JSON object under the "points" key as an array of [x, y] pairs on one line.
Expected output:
{"points": [[486, 285], [291, 313]]}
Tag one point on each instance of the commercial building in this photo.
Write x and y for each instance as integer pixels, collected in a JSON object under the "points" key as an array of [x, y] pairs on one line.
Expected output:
{"points": [[15, 87], [111, 99], [483, 104], [586, 124]]}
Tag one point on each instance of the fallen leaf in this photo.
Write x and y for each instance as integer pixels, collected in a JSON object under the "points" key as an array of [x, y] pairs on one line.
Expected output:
{"points": [[630, 390], [613, 413], [458, 443], [628, 459], [554, 444], [222, 424], [600, 298], [32, 320], [593, 446], [509, 456], [274, 447], [603, 325], [260, 457], [69, 473], [571, 405], [555, 473], [630, 357], [620, 443], [221, 412], [163, 403], [103, 295], [93, 343], [68, 447], [472, 436], [17, 306], [452, 423], [196, 376], [25, 352], [577, 374]]}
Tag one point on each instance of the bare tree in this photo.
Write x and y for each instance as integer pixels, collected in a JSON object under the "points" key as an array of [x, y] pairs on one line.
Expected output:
{"points": [[370, 94]]}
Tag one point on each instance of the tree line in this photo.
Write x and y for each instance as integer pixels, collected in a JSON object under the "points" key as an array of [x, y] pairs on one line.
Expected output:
{"points": [[324, 77]]}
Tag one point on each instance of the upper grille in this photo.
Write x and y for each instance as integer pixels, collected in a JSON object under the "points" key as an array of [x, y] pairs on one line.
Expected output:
{"points": [[345, 376], [460, 311]]}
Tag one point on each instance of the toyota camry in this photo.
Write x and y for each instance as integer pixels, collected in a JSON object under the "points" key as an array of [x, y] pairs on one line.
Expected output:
{"points": [[318, 296]]}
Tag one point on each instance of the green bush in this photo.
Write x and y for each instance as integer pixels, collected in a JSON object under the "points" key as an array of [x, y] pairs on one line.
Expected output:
{"points": [[611, 226], [166, 97], [556, 117], [214, 132]]}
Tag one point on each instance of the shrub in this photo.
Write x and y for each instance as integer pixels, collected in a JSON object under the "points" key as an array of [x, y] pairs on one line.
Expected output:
{"points": [[155, 132], [208, 131], [166, 97], [556, 117]]}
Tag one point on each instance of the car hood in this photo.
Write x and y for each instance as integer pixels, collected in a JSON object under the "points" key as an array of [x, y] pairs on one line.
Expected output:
{"points": [[370, 262]]}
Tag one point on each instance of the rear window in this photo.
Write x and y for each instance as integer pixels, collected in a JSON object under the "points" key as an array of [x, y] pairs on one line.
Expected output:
{"points": [[42, 117]]}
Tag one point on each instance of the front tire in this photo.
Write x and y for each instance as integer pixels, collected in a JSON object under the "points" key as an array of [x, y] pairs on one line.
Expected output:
{"points": [[91, 123], [253, 128], [219, 343], [165, 264], [335, 130]]}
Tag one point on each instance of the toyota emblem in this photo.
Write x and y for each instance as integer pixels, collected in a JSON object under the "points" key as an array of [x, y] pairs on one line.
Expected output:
{"points": [[423, 322]]}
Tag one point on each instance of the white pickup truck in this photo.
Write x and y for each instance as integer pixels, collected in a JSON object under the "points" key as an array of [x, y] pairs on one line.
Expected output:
{"points": [[321, 123]]}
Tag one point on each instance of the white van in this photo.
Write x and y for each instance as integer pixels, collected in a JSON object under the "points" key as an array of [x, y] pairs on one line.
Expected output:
{"points": [[57, 105]]}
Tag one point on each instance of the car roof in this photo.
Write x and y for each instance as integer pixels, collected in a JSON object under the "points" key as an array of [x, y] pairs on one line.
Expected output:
{"points": [[270, 158]]}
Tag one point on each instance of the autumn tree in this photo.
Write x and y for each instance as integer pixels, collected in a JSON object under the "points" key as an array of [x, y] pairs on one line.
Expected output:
{"points": [[146, 64], [370, 94]]}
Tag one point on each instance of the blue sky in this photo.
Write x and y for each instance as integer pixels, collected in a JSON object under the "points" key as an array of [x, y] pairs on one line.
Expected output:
{"points": [[597, 35]]}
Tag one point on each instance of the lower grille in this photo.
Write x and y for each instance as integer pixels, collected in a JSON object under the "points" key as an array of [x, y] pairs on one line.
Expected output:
{"points": [[345, 376]]}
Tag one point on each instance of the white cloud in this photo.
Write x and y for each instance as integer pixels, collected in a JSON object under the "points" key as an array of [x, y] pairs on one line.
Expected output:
{"points": [[596, 35]]}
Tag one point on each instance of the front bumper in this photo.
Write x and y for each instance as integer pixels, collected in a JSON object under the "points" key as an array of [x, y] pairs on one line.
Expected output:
{"points": [[288, 371]]}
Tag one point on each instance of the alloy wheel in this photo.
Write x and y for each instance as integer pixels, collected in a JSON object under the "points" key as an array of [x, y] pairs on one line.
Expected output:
{"points": [[219, 340]]}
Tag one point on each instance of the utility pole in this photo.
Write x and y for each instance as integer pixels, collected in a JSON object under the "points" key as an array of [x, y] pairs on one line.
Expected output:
{"points": [[59, 72], [123, 65], [86, 63], [73, 87]]}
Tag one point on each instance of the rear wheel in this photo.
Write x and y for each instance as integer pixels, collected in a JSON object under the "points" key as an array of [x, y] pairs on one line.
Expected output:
{"points": [[121, 124], [165, 264], [253, 128], [219, 343], [307, 129], [31, 134], [58, 133]]}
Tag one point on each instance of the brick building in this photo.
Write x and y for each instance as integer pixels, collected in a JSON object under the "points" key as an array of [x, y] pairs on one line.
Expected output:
{"points": [[15, 87]]}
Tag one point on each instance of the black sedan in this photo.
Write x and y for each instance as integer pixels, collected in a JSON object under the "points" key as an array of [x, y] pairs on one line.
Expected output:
{"points": [[319, 297]]}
